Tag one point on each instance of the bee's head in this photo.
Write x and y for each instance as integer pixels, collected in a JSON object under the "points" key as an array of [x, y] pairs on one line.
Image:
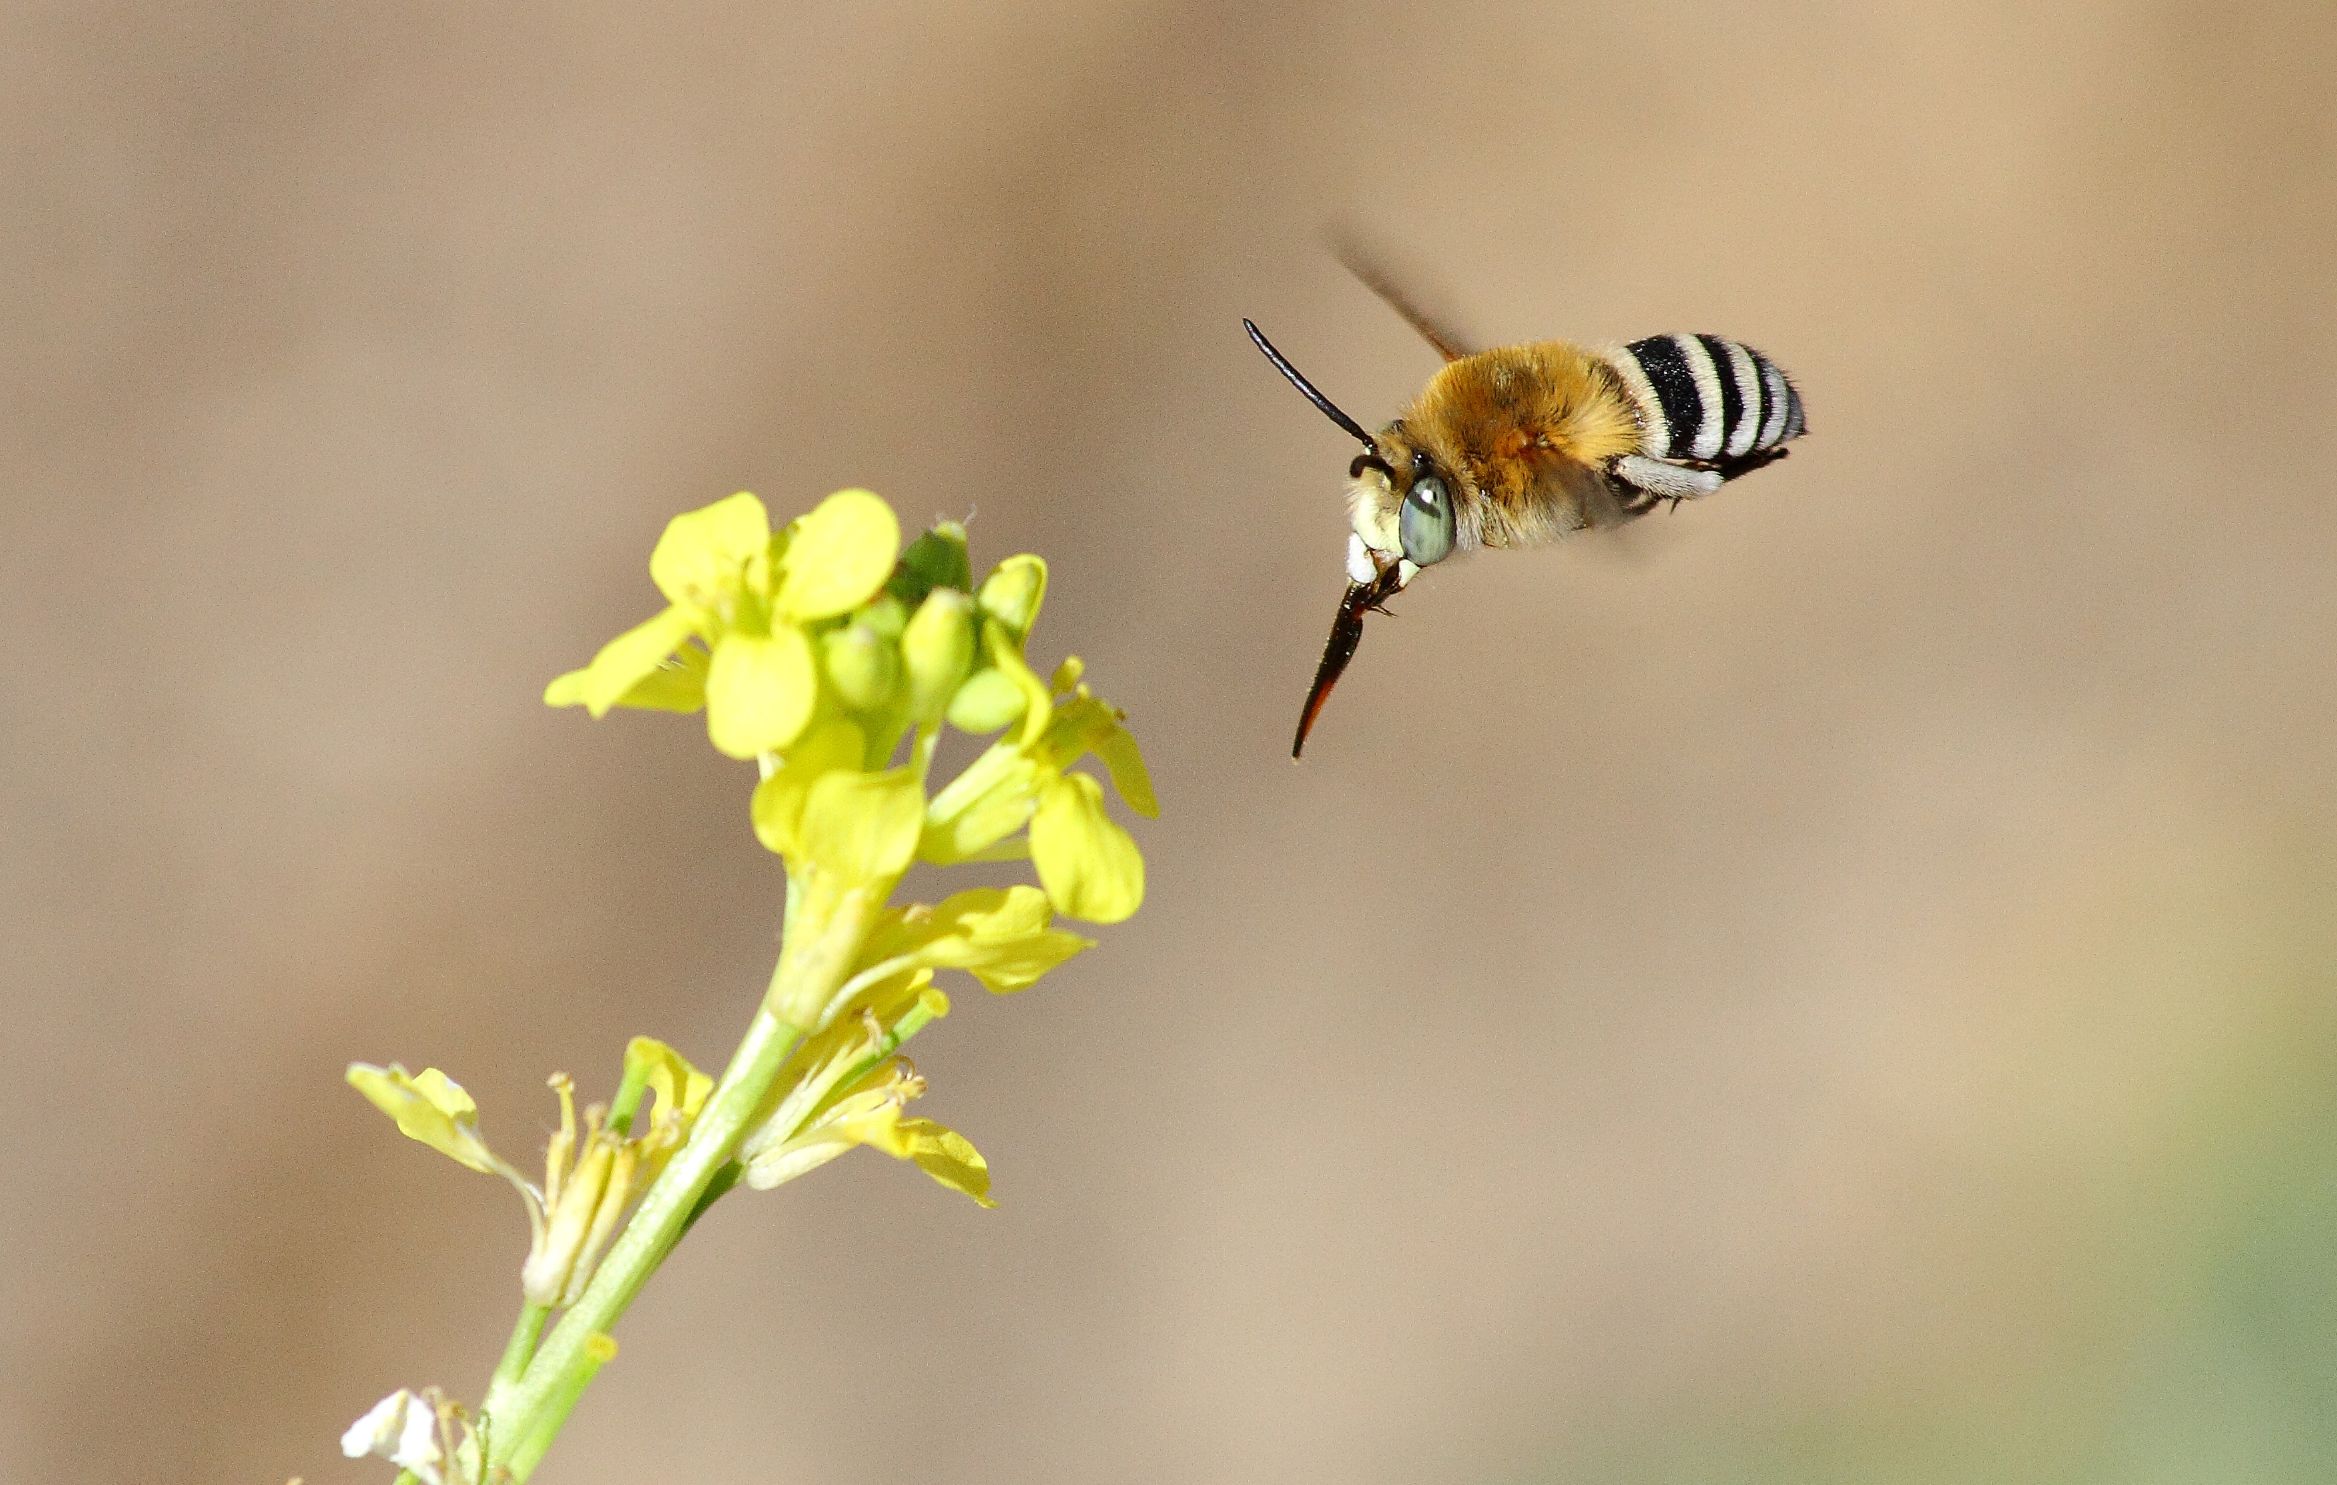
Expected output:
{"points": [[1405, 507], [1403, 502]]}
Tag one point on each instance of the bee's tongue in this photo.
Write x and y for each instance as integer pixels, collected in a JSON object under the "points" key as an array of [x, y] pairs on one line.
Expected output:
{"points": [[1346, 634]]}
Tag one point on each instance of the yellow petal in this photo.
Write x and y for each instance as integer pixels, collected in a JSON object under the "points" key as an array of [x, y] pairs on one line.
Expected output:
{"points": [[707, 554], [998, 935], [1089, 866], [679, 1086], [875, 1122], [903, 1004], [1089, 724], [623, 663], [429, 1107], [839, 556], [677, 685], [948, 1157], [1129, 775], [863, 826], [760, 690], [778, 803]]}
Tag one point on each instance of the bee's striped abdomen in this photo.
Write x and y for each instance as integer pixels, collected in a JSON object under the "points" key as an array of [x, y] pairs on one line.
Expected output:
{"points": [[1706, 400]]}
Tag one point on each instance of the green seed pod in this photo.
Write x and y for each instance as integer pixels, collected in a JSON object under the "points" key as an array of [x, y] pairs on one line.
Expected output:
{"points": [[938, 649], [862, 665]]}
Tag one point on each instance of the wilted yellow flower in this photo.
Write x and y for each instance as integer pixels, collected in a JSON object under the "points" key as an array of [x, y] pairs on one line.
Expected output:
{"points": [[846, 1087], [870, 1115], [590, 1175]]}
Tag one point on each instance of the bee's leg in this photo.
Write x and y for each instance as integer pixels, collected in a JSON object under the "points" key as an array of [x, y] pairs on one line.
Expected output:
{"points": [[1388, 584], [1648, 480], [1632, 502]]}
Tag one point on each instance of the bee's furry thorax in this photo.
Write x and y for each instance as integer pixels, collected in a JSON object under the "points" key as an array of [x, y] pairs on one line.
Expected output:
{"points": [[1523, 435]]}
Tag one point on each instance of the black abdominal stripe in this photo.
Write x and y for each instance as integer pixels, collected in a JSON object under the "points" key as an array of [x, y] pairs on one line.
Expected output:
{"points": [[1705, 401]]}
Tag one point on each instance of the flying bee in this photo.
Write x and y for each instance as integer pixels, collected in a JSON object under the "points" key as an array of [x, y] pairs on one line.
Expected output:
{"points": [[1524, 444]]}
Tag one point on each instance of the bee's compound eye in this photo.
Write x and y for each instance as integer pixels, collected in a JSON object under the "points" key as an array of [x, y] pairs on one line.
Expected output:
{"points": [[1425, 524]]}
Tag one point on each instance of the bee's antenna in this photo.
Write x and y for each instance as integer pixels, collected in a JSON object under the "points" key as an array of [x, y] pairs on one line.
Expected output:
{"points": [[1329, 408]]}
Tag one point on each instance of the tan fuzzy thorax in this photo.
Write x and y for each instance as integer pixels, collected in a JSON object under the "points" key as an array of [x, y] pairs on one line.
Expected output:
{"points": [[1526, 430]]}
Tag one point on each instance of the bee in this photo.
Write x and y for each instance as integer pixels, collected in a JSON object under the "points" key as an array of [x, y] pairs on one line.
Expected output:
{"points": [[1524, 444]]}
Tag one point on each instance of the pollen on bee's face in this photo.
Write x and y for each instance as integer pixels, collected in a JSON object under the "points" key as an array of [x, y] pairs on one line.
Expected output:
{"points": [[1372, 506]]}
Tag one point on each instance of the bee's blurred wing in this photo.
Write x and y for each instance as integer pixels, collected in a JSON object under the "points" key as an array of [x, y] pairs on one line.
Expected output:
{"points": [[1372, 269]]}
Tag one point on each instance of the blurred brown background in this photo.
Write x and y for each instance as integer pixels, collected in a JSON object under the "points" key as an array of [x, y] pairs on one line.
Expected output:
{"points": [[1836, 990]]}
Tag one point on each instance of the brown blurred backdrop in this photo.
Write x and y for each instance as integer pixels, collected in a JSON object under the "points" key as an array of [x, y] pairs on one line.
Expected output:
{"points": [[1836, 990]]}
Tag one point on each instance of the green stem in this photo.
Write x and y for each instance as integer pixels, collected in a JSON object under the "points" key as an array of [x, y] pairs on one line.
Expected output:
{"points": [[521, 1461], [527, 1405], [717, 1188], [978, 778], [522, 1347], [822, 938]]}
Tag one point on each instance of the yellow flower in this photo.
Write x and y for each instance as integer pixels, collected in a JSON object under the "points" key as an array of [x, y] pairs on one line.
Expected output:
{"points": [[999, 936], [819, 648], [734, 636], [846, 1086], [870, 1114], [832, 656], [1088, 864]]}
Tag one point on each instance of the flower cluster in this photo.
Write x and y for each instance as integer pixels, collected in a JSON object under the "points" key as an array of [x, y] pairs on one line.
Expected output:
{"points": [[836, 661], [818, 649]]}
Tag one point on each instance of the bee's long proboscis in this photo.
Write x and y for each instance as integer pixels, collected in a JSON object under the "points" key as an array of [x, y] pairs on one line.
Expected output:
{"points": [[1346, 634]]}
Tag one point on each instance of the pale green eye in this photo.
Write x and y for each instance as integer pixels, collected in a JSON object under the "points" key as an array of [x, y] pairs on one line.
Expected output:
{"points": [[1425, 524]]}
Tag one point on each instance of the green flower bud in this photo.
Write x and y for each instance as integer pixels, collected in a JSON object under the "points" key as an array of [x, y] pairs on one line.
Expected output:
{"points": [[986, 702], [888, 616], [938, 649], [1013, 591], [935, 560], [862, 665]]}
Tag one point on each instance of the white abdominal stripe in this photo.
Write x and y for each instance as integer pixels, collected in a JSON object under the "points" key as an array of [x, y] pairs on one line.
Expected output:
{"points": [[1702, 400]]}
